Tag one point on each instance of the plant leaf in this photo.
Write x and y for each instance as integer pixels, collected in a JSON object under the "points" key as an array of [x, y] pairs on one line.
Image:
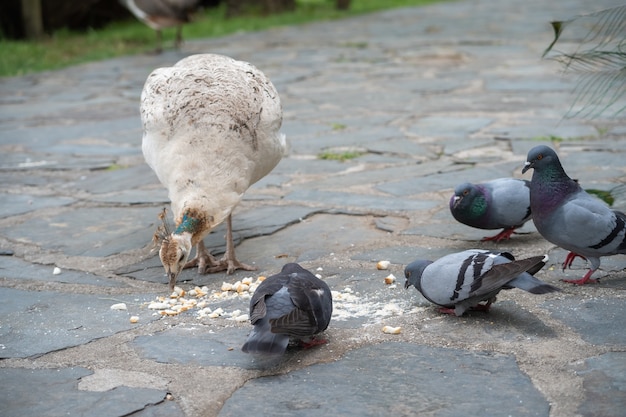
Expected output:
{"points": [[599, 59]]}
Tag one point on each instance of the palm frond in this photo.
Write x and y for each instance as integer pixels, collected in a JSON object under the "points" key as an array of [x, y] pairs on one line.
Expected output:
{"points": [[598, 58]]}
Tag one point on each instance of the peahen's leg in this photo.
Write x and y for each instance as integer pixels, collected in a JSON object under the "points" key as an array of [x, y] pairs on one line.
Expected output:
{"points": [[203, 260], [232, 264]]}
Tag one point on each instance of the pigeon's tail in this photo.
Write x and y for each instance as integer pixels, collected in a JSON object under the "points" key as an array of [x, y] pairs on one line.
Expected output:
{"points": [[621, 219], [262, 340], [527, 282]]}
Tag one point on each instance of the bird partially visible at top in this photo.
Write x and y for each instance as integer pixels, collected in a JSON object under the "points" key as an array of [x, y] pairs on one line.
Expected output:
{"points": [[210, 130], [503, 203], [569, 217], [161, 14]]}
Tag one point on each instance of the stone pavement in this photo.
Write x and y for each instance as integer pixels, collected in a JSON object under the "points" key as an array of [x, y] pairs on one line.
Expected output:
{"points": [[430, 97]]}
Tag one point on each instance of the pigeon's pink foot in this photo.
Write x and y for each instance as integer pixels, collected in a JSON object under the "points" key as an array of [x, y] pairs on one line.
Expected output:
{"points": [[478, 307], [584, 280], [570, 258], [313, 341], [503, 235], [446, 310]]}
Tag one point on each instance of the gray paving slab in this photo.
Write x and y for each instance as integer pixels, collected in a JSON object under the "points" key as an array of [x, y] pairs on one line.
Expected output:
{"points": [[354, 200], [14, 268], [604, 383], [221, 348], [36, 323], [14, 204], [118, 178], [429, 97], [403, 379], [94, 231], [54, 392], [597, 320]]}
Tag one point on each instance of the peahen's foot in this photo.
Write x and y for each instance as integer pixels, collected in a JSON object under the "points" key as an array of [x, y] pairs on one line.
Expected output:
{"points": [[229, 265], [203, 260], [229, 262]]}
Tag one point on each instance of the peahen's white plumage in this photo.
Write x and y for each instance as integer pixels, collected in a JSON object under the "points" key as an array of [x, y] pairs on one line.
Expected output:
{"points": [[211, 130]]}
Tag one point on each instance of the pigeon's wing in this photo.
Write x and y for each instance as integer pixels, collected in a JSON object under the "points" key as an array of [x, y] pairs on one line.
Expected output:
{"points": [[510, 201], [313, 306], [499, 275], [258, 307], [587, 219], [449, 279]]}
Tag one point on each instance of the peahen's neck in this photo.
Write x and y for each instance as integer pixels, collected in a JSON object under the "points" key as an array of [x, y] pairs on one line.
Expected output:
{"points": [[194, 222], [188, 224]]}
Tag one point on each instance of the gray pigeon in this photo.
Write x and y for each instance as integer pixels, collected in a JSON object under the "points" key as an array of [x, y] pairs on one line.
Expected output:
{"points": [[503, 203], [460, 281], [564, 214], [293, 303]]}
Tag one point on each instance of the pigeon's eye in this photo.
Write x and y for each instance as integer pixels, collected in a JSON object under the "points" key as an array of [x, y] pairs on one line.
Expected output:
{"points": [[465, 192], [539, 157]]}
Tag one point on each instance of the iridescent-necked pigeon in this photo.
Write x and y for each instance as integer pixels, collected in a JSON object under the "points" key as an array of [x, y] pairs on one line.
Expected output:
{"points": [[569, 217], [461, 281], [503, 203], [293, 303]]}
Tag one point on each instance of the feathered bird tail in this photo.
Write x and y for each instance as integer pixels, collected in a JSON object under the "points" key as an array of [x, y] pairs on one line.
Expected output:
{"points": [[527, 282], [262, 340]]}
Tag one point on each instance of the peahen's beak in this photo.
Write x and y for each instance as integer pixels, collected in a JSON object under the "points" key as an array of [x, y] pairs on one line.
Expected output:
{"points": [[172, 276]]}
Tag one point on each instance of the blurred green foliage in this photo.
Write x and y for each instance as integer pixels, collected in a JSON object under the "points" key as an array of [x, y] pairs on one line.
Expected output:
{"points": [[64, 48]]}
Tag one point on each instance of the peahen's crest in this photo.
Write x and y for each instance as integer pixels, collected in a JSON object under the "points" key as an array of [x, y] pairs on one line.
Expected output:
{"points": [[163, 231]]}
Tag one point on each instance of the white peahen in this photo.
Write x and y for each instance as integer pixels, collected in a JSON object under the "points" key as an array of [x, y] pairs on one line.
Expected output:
{"points": [[211, 130]]}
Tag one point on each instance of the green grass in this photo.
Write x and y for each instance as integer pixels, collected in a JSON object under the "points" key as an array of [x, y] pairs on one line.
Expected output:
{"points": [[64, 48], [605, 196], [339, 156]]}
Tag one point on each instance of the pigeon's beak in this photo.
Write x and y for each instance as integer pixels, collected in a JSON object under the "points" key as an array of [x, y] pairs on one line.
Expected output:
{"points": [[527, 166], [406, 284], [456, 200]]}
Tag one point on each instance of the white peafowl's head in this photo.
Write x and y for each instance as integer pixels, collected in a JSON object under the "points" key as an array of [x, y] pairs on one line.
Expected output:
{"points": [[174, 248], [174, 252]]}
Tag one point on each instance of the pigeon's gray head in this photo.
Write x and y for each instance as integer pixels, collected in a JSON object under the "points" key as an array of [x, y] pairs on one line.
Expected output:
{"points": [[292, 268], [460, 192], [539, 157], [413, 273]]}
